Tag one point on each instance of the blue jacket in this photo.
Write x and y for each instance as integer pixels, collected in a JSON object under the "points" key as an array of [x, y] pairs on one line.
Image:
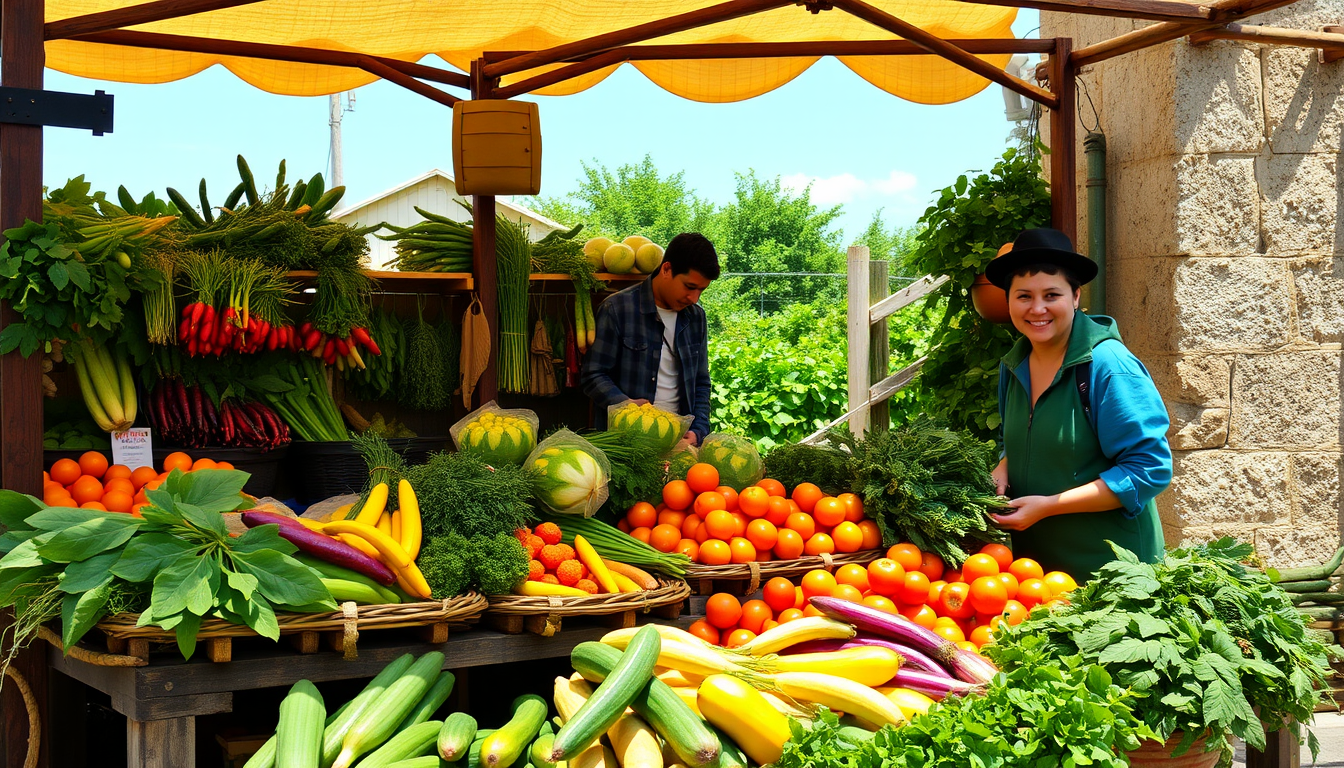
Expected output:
{"points": [[622, 364]]}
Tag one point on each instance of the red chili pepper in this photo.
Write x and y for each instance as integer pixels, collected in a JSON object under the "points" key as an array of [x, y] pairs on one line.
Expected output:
{"points": [[197, 310], [363, 337], [186, 311], [184, 330], [311, 338], [306, 327], [342, 347]]}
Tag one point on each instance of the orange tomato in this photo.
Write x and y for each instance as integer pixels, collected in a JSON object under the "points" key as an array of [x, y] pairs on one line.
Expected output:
{"points": [[1010, 584], [117, 471], [623, 525], [818, 583], [802, 523], [982, 636], [915, 589], [885, 576], [720, 524], [65, 471], [729, 497], [955, 601], [709, 502], [769, 625], [664, 537], [853, 506], [789, 545], [723, 610], [715, 552], [135, 509], [689, 548], [678, 495], [907, 554], [701, 534], [931, 565], [705, 631], [779, 593], [881, 603], [642, 515], [689, 526], [949, 632], [807, 495], [848, 593], [779, 509], [811, 610], [93, 464], [142, 475], [979, 565], [829, 511], [772, 487], [853, 574], [118, 484], [988, 595], [764, 555], [935, 589], [820, 543], [952, 575], [799, 599], [642, 533], [204, 463], [789, 614], [922, 615], [1033, 592], [848, 537], [1014, 613], [753, 501], [1059, 583], [93, 505], [741, 550], [176, 460], [738, 637], [223, 465], [872, 535], [762, 534], [671, 517], [117, 501], [702, 477], [754, 615], [153, 485], [1025, 568], [1001, 554], [58, 497], [87, 488], [739, 523]]}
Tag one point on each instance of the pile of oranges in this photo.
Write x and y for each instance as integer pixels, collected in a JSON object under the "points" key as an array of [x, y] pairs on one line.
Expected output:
{"points": [[963, 606], [93, 483], [714, 525]]}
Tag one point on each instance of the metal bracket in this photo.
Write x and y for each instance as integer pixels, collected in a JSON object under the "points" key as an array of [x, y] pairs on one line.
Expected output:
{"points": [[27, 106]]}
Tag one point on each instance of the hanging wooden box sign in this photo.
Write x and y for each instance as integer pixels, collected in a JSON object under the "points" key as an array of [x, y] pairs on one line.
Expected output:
{"points": [[496, 147]]}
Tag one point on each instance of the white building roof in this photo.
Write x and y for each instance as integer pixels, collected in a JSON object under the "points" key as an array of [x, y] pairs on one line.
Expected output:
{"points": [[499, 201]]}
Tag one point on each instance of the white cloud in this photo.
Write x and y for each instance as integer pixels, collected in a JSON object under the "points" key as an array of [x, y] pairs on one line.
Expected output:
{"points": [[848, 188]]}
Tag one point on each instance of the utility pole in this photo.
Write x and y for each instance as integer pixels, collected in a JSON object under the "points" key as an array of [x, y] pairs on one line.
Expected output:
{"points": [[337, 172]]}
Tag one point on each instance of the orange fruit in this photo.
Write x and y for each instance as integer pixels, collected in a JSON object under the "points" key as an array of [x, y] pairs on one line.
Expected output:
{"points": [[848, 537], [952, 575], [769, 625], [880, 603], [949, 632], [1009, 583], [935, 589], [922, 615], [915, 589], [739, 523], [623, 525], [1025, 568], [176, 460], [204, 463], [753, 501], [689, 526], [1014, 613], [58, 497], [715, 552], [86, 488], [968, 646], [705, 631], [872, 535], [828, 511], [789, 545], [142, 475], [931, 565], [778, 594], [772, 487], [739, 637], [65, 471], [847, 593], [118, 484], [1001, 554], [708, 502], [979, 565], [802, 523], [988, 595], [1059, 583], [671, 517], [642, 515], [720, 524], [689, 548], [701, 534], [153, 485], [762, 534], [818, 544], [665, 538], [818, 583], [1033, 592], [678, 495], [741, 550], [93, 505], [981, 636], [955, 601], [807, 495], [45, 476], [223, 465], [779, 509], [754, 615], [723, 610], [789, 614], [642, 533], [93, 464], [852, 574], [118, 501], [885, 576], [702, 477], [907, 554], [135, 509], [729, 497], [799, 599], [853, 506], [117, 471]]}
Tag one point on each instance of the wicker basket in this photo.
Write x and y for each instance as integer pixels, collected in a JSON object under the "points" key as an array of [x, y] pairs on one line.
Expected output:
{"points": [[544, 614], [754, 573]]}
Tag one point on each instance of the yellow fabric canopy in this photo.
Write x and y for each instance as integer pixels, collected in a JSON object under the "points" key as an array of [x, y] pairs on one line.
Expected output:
{"points": [[459, 30]]}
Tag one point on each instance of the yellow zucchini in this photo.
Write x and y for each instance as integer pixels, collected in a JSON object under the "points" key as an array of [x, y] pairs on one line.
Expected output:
{"points": [[910, 702], [374, 506], [791, 633], [838, 693], [625, 584], [411, 530], [634, 742], [543, 589], [743, 713], [593, 562], [871, 665]]}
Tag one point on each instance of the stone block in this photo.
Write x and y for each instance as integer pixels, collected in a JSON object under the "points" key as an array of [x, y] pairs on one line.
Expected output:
{"points": [[1315, 486], [1193, 427], [1304, 100], [1218, 98], [1232, 304], [1140, 116], [1227, 488], [1291, 547], [1139, 297], [1300, 199], [1198, 380], [1319, 287], [1303, 14], [1289, 399], [1217, 208], [1203, 534], [1141, 196]]}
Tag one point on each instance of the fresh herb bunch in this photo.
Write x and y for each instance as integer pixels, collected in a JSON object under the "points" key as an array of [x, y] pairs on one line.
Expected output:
{"points": [[637, 472], [381, 373], [459, 493], [925, 484], [824, 466], [422, 384], [82, 564], [1205, 639], [385, 466], [453, 564], [514, 256]]}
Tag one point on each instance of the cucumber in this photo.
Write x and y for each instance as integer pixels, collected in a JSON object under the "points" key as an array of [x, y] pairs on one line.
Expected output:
{"points": [[658, 704], [280, 175], [540, 752], [628, 677], [431, 701], [205, 205], [1320, 598], [730, 755], [314, 190], [412, 742], [298, 737], [325, 203], [1322, 613], [127, 202], [1310, 572], [506, 745], [249, 184], [1318, 585], [379, 721], [234, 197], [297, 195], [188, 213], [336, 728], [456, 735]]}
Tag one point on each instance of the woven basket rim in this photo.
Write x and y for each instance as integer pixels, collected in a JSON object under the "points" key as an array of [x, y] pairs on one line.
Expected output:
{"points": [[669, 591], [770, 568]]}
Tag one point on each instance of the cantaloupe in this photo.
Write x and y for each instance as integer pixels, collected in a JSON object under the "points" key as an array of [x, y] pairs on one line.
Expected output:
{"points": [[648, 257], [594, 249], [619, 259]]}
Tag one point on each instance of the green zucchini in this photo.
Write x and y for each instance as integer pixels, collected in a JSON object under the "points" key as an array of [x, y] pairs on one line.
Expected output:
{"points": [[313, 190], [234, 197], [336, 729], [506, 745], [379, 721], [658, 704], [456, 735], [1321, 613], [429, 761], [1320, 598], [127, 202], [280, 175], [297, 195], [189, 214], [249, 184], [354, 591], [730, 755], [298, 737], [206, 212], [628, 677], [431, 701], [540, 752], [331, 570], [1317, 585], [1310, 572], [474, 752], [265, 757], [412, 742], [325, 203]]}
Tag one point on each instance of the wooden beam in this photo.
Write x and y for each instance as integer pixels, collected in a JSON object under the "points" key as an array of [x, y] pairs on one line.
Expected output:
{"points": [[130, 16], [880, 18], [884, 389], [1222, 12], [1271, 36], [801, 49], [561, 74], [905, 297], [1155, 10], [376, 67], [648, 31], [1064, 141], [484, 264], [270, 52]]}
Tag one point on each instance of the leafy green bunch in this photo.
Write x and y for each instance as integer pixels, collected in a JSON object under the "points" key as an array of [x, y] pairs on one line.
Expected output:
{"points": [[461, 494], [1204, 639], [82, 564], [492, 564]]}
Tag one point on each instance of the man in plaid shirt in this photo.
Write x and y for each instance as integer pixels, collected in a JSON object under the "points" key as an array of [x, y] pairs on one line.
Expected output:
{"points": [[652, 340]]}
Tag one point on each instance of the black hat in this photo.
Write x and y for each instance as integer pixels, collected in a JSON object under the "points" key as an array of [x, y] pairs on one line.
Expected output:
{"points": [[1041, 246]]}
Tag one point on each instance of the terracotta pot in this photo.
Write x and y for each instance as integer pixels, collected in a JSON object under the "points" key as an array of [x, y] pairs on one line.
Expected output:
{"points": [[1151, 754], [991, 301]]}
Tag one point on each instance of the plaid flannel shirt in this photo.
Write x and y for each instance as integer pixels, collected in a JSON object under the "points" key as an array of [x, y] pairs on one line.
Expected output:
{"points": [[622, 363]]}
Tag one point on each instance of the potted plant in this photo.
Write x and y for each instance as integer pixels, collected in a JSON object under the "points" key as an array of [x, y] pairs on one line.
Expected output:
{"points": [[991, 301]]}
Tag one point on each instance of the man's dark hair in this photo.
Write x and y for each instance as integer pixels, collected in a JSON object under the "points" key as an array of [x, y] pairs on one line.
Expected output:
{"points": [[692, 251], [1027, 270]]}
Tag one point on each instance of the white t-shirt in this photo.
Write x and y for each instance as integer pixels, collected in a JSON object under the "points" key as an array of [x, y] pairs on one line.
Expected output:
{"points": [[669, 368]]}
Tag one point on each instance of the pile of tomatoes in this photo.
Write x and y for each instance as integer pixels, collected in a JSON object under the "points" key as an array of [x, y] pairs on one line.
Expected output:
{"points": [[94, 483], [964, 606], [714, 525]]}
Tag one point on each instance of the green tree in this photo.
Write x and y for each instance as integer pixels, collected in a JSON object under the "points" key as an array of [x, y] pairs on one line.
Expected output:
{"points": [[894, 245]]}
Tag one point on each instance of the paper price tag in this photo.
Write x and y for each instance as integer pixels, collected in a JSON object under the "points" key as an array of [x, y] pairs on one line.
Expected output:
{"points": [[133, 448]]}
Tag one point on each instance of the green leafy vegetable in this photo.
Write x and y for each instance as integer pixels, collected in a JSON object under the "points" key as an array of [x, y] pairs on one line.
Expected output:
{"points": [[459, 493]]}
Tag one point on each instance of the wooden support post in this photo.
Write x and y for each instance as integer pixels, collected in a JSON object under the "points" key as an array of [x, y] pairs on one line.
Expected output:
{"points": [[161, 743], [483, 263], [859, 330], [879, 344], [1064, 141], [1281, 751]]}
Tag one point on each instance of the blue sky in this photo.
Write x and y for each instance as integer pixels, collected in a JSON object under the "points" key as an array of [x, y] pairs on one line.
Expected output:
{"points": [[857, 145]]}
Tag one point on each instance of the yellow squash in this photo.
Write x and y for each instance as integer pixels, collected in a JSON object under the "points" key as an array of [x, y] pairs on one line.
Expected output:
{"points": [[743, 713], [871, 665]]}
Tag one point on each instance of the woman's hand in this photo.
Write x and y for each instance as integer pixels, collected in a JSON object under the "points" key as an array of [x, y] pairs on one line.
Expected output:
{"points": [[1000, 474], [1027, 511]]}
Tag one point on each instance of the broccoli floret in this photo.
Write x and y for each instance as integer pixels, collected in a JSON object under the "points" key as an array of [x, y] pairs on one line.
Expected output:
{"points": [[498, 563], [444, 563]]}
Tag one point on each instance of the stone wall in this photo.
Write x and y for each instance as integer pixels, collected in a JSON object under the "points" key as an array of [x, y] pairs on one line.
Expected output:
{"points": [[1226, 269]]}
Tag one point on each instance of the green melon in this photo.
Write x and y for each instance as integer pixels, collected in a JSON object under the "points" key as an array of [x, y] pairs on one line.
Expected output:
{"points": [[497, 439], [569, 480], [619, 259]]}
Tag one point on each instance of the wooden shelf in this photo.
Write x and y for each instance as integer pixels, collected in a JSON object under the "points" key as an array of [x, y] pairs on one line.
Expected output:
{"points": [[419, 282], [603, 276]]}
